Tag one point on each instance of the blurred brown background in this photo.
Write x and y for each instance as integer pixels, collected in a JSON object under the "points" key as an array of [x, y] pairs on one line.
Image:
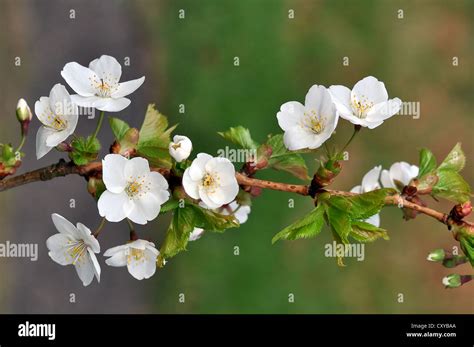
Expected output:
{"points": [[190, 61]]}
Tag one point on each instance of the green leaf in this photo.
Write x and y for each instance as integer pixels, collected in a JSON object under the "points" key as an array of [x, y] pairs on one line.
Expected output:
{"points": [[84, 150], [154, 138], [177, 236], [427, 162], [8, 157], [366, 232], [284, 160], [239, 136], [170, 205], [308, 226], [451, 186], [361, 206], [119, 128], [212, 221], [467, 246], [340, 222], [455, 160]]}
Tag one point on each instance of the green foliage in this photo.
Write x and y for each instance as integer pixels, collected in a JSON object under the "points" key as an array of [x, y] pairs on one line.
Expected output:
{"points": [[451, 186], [285, 160], [184, 221], [444, 181], [119, 128], [239, 136], [8, 157], [427, 162], [365, 232], [344, 215], [307, 227], [154, 138], [84, 150], [466, 241]]}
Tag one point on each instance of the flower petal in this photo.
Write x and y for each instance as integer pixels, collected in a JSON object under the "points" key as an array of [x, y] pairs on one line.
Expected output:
{"points": [[198, 166], [41, 137], [341, 96], [112, 105], [386, 180], [56, 137], [370, 181], [107, 68], [117, 258], [85, 269], [95, 264], [384, 110], [190, 187], [290, 115], [126, 88], [88, 238], [80, 78], [43, 111], [146, 208], [370, 90], [64, 226], [374, 220], [136, 167], [114, 172], [114, 207]]}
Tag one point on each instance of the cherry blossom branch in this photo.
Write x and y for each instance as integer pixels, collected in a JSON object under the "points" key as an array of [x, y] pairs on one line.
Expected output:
{"points": [[63, 168]]}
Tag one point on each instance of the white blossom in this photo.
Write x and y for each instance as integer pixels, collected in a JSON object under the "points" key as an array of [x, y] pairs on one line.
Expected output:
{"points": [[212, 180], [367, 104], [98, 85], [311, 124], [399, 175], [75, 245], [58, 116], [138, 256], [180, 148], [133, 191]]}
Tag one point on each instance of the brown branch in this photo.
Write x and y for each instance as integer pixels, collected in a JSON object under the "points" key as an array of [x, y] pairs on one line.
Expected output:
{"points": [[67, 168]]}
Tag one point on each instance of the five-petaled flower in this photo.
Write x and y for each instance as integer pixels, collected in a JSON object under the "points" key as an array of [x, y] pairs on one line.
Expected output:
{"points": [[311, 124], [58, 115], [370, 182], [75, 245], [138, 256], [98, 85], [399, 175], [180, 148], [367, 104], [133, 190], [212, 180]]}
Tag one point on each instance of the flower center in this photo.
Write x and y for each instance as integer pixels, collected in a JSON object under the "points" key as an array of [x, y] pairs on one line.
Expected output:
{"points": [[104, 87], [210, 182], [76, 251], [136, 255], [314, 122], [176, 146], [137, 187], [362, 106]]}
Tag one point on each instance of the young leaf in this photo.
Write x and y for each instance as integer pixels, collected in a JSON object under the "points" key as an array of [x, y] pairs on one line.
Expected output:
{"points": [[467, 246], [427, 162], [212, 221], [84, 150], [366, 232], [366, 205], [177, 236], [169, 205], [455, 160], [119, 128], [309, 226], [282, 159], [339, 221], [154, 138], [451, 186], [240, 136]]}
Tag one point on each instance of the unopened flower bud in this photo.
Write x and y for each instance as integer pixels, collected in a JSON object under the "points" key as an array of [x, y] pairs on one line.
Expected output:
{"points": [[24, 116], [455, 280], [180, 148], [23, 112], [436, 255]]}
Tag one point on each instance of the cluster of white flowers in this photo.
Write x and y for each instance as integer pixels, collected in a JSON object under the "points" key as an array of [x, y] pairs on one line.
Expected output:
{"points": [[97, 86], [311, 124], [399, 175]]}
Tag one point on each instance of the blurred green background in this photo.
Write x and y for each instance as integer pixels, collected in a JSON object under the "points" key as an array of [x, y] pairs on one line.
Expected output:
{"points": [[190, 61]]}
